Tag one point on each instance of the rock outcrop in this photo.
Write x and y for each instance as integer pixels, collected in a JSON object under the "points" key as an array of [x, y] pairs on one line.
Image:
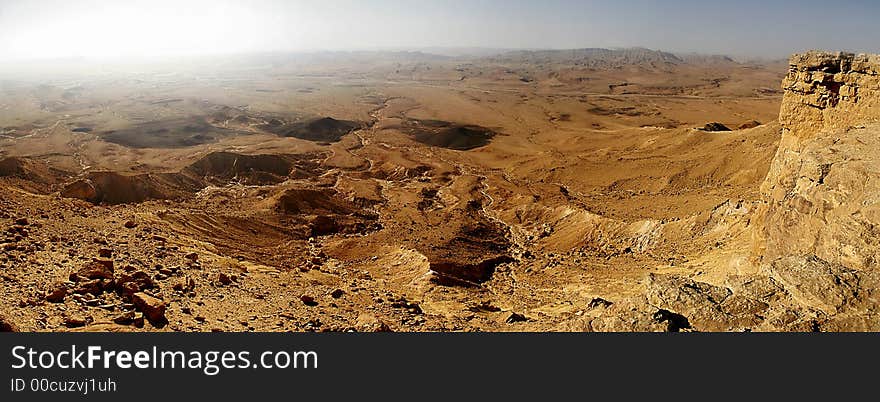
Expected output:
{"points": [[816, 232], [826, 91], [822, 192]]}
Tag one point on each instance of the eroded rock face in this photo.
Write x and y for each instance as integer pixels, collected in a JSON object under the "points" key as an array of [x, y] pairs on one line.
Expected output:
{"points": [[823, 189], [825, 91], [827, 287], [707, 307], [114, 188], [816, 235], [795, 293]]}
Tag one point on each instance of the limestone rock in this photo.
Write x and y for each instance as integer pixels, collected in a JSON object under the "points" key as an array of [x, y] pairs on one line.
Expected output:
{"points": [[704, 306], [96, 269], [133, 282], [152, 307], [56, 294], [822, 188]]}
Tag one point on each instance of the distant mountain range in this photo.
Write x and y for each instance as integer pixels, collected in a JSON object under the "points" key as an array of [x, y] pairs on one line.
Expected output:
{"points": [[609, 58]]}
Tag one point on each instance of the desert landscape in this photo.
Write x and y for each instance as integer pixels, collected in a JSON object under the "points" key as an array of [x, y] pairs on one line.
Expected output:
{"points": [[531, 190]]}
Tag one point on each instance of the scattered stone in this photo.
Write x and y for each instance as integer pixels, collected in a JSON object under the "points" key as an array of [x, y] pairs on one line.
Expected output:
{"points": [[105, 252], [126, 318], [75, 321], [57, 294], [337, 293], [186, 285], [22, 221], [413, 308], [192, 257], [485, 306], [6, 325], [128, 289], [130, 225], [97, 269], [308, 300], [139, 278], [152, 307], [370, 323], [94, 287], [224, 279]]}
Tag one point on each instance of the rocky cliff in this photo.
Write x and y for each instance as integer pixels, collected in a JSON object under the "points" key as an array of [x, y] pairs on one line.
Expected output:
{"points": [[817, 236], [825, 91], [822, 192], [816, 231]]}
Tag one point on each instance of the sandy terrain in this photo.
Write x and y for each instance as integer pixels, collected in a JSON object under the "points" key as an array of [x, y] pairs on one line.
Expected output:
{"points": [[529, 191]]}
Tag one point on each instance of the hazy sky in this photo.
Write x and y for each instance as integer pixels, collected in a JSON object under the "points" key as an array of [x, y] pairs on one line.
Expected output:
{"points": [[121, 28]]}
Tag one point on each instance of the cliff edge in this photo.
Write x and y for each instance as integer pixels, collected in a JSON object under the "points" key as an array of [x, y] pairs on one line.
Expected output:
{"points": [[822, 191], [816, 231]]}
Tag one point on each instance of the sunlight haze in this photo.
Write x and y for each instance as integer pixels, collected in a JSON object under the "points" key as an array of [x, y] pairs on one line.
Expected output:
{"points": [[114, 29]]}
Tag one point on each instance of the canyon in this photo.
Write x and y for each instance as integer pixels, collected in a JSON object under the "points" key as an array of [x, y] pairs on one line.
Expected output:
{"points": [[583, 190]]}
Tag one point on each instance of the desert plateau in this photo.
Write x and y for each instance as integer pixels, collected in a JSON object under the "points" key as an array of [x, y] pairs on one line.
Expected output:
{"points": [[593, 189]]}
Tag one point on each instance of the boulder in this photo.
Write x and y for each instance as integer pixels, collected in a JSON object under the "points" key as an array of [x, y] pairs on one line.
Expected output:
{"points": [[75, 321], [308, 300], [96, 269], [152, 307], [56, 294]]}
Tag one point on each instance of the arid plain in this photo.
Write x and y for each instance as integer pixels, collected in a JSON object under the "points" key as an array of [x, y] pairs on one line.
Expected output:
{"points": [[582, 190]]}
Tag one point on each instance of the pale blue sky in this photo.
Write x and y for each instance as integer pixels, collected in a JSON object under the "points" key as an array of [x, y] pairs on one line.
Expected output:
{"points": [[109, 28]]}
